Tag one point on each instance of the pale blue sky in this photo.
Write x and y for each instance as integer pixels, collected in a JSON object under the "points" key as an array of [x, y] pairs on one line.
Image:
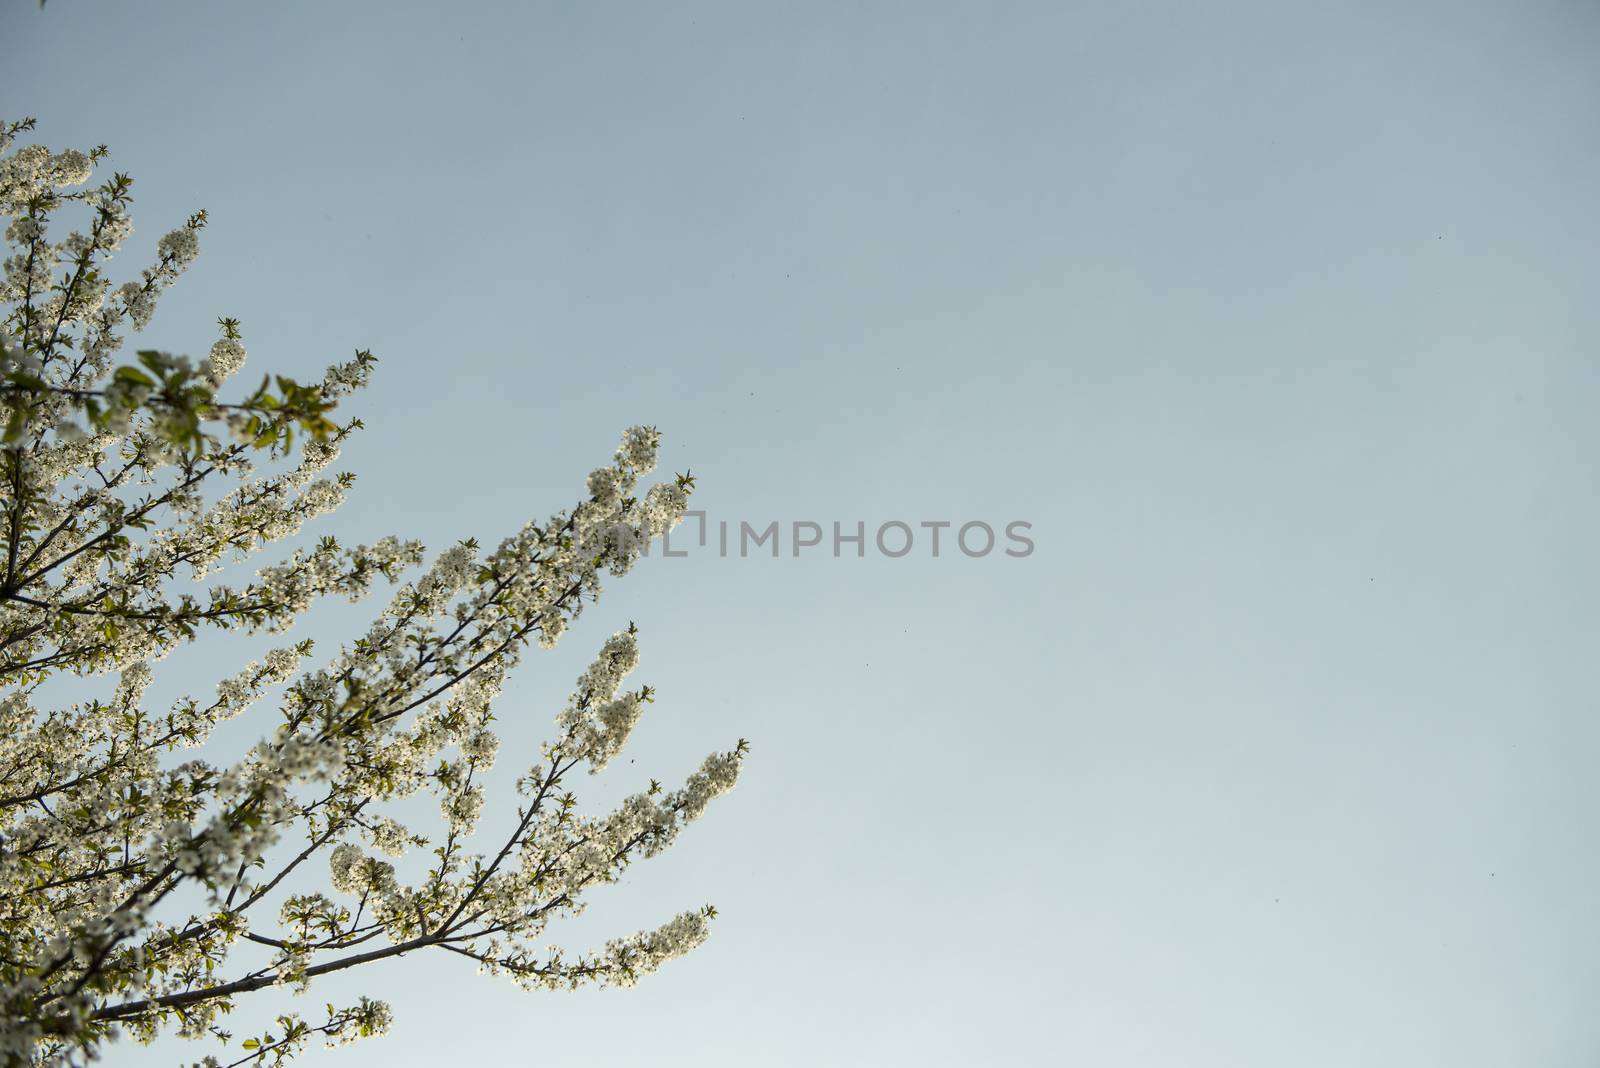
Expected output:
{"points": [[1277, 321]]}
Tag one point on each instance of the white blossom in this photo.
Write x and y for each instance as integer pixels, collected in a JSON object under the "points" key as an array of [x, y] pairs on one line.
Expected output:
{"points": [[180, 246], [224, 361]]}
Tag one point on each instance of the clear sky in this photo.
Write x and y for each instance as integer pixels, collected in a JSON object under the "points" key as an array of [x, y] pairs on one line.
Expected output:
{"points": [[1276, 321]]}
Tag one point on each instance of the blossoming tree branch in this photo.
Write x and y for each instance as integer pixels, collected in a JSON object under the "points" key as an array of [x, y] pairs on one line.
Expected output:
{"points": [[145, 891]]}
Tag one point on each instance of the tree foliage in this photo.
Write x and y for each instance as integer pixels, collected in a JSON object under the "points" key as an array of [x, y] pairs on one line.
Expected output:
{"points": [[144, 889]]}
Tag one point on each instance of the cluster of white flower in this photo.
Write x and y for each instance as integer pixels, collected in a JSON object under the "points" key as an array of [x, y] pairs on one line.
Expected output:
{"points": [[664, 507], [353, 872], [604, 486], [638, 449], [450, 573], [716, 777], [224, 361], [613, 722], [180, 247], [389, 836], [32, 170], [596, 721], [462, 808], [630, 959]]}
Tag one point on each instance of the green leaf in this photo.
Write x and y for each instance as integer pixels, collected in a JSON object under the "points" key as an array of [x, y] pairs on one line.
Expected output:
{"points": [[134, 376], [16, 424]]}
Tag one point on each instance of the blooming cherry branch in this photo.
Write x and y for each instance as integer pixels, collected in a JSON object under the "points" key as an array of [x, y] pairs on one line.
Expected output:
{"points": [[145, 891]]}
